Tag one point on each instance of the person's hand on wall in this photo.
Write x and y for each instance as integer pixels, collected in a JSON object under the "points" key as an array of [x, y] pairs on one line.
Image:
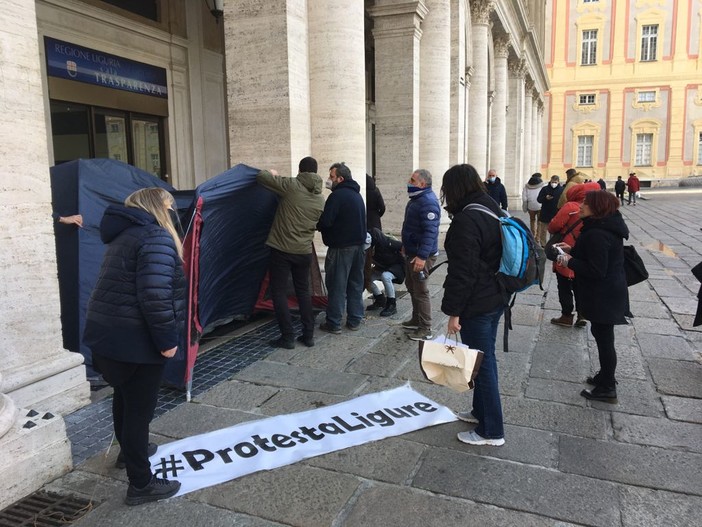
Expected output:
{"points": [[76, 219]]}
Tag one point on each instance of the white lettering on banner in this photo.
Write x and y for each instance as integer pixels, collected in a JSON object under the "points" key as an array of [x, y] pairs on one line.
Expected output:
{"points": [[226, 454]]}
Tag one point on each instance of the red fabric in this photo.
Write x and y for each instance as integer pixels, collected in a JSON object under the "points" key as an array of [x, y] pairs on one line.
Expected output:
{"points": [[633, 184], [191, 265]]}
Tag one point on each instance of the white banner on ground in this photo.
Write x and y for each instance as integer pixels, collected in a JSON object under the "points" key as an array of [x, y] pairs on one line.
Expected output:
{"points": [[207, 459]]}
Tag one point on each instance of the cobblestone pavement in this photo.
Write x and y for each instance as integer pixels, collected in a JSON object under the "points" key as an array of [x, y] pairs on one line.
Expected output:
{"points": [[566, 461]]}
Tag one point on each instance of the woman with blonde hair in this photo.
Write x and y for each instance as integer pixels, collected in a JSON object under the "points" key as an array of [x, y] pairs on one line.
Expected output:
{"points": [[134, 322]]}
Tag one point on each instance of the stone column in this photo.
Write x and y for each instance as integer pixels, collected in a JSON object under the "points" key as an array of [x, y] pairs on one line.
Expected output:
{"points": [[514, 161], [458, 86], [337, 87], [528, 132], [36, 372], [536, 150], [478, 121], [499, 109], [466, 115], [435, 89], [268, 82], [397, 34]]}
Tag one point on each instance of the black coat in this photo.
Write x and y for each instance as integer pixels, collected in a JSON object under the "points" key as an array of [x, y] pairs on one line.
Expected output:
{"points": [[497, 192], [474, 249], [549, 207], [343, 222], [137, 308], [375, 205], [598, 262], [387, 255]]}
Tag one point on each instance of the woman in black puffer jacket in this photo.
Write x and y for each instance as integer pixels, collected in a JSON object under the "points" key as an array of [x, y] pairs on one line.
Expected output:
{"points": [[135, 319]]}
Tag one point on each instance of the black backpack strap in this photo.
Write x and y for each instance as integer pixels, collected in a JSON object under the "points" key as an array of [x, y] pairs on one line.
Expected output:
{"points": [[508, 323], [436, 267]]}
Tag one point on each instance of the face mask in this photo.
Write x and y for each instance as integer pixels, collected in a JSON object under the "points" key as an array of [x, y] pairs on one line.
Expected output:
{"points": [[329, 184], [412, 189], [492, 179], [554, 185]]}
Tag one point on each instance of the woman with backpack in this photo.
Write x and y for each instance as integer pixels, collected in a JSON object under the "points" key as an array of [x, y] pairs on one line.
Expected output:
{"points": [[473, 298], [598, 261]]}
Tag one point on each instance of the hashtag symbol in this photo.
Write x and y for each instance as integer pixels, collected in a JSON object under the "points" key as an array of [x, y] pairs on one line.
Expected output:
{"points": [[169, 467]]}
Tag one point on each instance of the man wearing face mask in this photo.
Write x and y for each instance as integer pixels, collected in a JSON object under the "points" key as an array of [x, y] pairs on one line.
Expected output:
{"points": [[548, 197], [495, 189], [420, 244], [343, 228]]}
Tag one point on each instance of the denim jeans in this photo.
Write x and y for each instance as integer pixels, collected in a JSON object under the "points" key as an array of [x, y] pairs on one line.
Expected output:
{"points": [[386, 277], [343, 270], [282, 265], [632, 196], [479, 332]]}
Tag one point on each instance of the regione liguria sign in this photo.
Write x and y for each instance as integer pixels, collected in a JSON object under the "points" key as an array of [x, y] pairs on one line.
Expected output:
{"points": [[215, 457]]}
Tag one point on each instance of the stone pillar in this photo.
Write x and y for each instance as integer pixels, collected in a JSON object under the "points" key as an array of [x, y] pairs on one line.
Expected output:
{"points": [[540, 138], [337, 87], [514, 161], [478, 121], [499, 109], [435, 89], [268, 90], [36, 372], [397, 34], [466, 116], [528, 132], [458, 85]]}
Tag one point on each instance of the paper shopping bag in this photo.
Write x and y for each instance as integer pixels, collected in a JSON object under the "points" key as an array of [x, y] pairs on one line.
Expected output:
{"points": [[449, 363]]}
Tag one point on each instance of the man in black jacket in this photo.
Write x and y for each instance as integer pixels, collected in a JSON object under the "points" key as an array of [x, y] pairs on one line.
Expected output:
{"points": [[495, 189], [548, 197]]}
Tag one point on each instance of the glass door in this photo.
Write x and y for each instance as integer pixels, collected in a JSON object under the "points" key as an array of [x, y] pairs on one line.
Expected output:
{"points": [[146, 140], [70, 126], [111, 135]]}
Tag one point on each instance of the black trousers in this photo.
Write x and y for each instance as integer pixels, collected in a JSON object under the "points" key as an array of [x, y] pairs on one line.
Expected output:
{"points": [[566, 294], [604, 337], [282, 265], [133, 403]]}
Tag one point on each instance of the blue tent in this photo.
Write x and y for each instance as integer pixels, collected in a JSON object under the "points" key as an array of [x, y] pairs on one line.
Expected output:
{"points": [[86, 187]]}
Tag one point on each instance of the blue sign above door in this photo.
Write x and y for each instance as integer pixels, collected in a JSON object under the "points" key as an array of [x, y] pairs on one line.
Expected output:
{"points": [[73, 62]]}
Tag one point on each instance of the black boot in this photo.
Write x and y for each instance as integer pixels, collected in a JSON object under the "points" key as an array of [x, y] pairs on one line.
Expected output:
{"points": [[390, 308], [606, 394], [378, 302]]}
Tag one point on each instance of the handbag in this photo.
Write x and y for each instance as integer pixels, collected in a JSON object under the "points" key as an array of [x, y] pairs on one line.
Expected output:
{"points": [[634, 268], [449, 363], [550, 251]]}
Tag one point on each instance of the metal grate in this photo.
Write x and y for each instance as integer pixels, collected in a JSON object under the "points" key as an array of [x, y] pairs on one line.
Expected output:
{"points": [[45, 509]]}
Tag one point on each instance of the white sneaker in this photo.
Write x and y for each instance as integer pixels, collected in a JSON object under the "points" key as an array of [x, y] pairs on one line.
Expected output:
{"points": [[467, 417], [472, 438]]}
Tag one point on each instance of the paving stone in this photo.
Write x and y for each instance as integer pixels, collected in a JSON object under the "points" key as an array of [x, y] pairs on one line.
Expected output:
{"points": [[288, 401], [344, 349], [656, 326], [648, 309], [643, 466], [520, 339], [683, 409], [634, 397], [385, 505], [376, 364], [192, 419], [677, 377], [512, 370], [304, 496], [686, 306], [564, 363], [526, 315], [656, 507], [630, 363], [555, 391], [286, 375], [685, 322], [391, 460], [237, 395], [546, 415], [657, 431], [522, 487], [665, 347]]}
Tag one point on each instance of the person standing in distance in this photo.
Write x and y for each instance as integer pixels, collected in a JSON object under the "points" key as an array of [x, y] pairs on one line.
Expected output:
{"points": [[299, 207], [420, 245], [619, 188], [573, 177], [343, 228], [495, 189], [134, 322], [633, 185], [548, 197]]}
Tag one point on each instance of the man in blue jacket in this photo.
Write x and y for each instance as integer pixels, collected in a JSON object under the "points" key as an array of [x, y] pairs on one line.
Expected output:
{"points": [[343, 228], [420, 243]]}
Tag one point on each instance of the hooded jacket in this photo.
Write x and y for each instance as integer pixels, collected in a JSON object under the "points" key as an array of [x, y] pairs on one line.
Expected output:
{"points": [[577, 179], [300, 205], [420, 229], [530, 194], [137, 308], [375, 205], [598, 262], [343, 222], [568, 215]]}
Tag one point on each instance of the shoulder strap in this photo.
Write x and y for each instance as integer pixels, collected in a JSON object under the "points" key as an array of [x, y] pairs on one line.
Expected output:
{"points": [[484, 209], [566, 233]]}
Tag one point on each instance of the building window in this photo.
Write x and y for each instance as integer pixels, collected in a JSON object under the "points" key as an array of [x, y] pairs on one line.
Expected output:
{"points": [[646, 96], [587, 98], [699, 149], [146, 8], [590, 1], [589, 52], [649, 42], [644, 144], [585, 143]]}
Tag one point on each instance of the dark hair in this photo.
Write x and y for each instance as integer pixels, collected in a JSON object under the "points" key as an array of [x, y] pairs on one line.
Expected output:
{"points": [[571, 172], [342, 171], [601, 203], [459, 181], [308, 164]]}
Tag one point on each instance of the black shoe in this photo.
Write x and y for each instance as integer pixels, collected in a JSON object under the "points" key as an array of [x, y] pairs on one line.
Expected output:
{"points": [[150, 450], [390, 308], [282, 343], [326, 326], [378, 302], [353, 327], [157, 489], [600, 393], [594, 379], [307, 341]]}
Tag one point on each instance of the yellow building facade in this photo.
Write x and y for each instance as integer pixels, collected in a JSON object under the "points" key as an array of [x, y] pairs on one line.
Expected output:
{"points": [[626, 89]]}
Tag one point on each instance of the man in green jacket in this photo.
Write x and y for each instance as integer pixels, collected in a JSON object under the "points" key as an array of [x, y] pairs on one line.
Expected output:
{"points": [[299, 207]]}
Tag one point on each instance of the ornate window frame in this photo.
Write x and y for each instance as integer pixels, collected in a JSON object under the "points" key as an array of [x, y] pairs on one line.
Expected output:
{"points": [[645, 126], [650, 17], [590, 22], [586, 107], [583, 129], [697, 143], [646, 105]]}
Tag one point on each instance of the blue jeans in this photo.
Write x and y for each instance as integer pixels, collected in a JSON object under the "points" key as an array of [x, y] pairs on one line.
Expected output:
{"points": [[386, 277], [343, 270], [479, 332]]}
